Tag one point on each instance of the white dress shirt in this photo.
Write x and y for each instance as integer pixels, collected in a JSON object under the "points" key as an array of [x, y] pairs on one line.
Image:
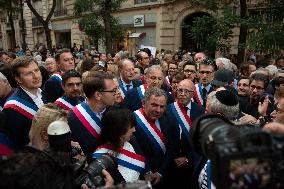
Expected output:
{"points": [[36, 98]]}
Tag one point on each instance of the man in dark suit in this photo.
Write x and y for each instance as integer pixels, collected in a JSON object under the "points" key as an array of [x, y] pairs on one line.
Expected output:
{"points": [[185, 112], [154, 79], [52, 89], [126, 82], [72, 86], [154, 132], [204, 87], [85, 118], [26, 100]]}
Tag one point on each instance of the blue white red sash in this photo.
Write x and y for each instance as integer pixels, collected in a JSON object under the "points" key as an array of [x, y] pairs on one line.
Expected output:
{"points": [[141, 90], [1, 108], [198, 94], [124, 158], [88, 118], [6, 146], [204, 179], [58, 76], [23, 107], [167, 80], [151, 130], [122, 89], [62, 101], [182, 117]]}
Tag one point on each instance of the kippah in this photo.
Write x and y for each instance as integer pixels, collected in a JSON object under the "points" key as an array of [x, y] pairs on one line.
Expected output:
{"points": [[227, 97]]}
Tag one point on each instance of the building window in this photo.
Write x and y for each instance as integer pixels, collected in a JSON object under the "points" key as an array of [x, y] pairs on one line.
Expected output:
{"points": [[59, 8]]}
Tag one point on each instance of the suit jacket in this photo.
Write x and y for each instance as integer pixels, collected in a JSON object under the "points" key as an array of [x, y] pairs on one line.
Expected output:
{"points": [[183, 148], [133, 101], [156, 159], [52, 89], [81, 135], [18, 124]]}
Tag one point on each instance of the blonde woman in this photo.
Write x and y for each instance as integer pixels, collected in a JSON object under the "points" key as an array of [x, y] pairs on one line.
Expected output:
{"points": [[47, 114]]}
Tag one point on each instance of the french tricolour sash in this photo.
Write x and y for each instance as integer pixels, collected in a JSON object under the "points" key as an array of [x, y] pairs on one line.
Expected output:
{"points": [[204, 179], [62, 101], [167, 80], [151, 130], [141, 90], [122, 89], [124, 158], [182, 117], [23, 107], [198, 94], [88, 118], [58, 76]]}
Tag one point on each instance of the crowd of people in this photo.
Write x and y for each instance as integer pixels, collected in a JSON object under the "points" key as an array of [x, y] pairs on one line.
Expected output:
{"points": [[137, 109]]}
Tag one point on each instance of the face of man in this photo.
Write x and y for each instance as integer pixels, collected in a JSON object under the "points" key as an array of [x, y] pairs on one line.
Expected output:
{"points": [[190, 72], [118, 98], [73, 87], [145, 59], [172, 69], [185, 91], [256, 89], [127, 71], [66, 62], [205, 74], [165, 66], [154, 107], [279, 117], [243, 87], [103, 57], [4, 86], [252, 68], [116, 58], [6, 59], [51, 65], [29, 77], [137, 73], [108, 96], [155, 78], [199, 57]]}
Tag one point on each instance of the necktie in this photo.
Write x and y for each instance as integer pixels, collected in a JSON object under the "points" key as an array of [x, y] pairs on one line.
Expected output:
{"points": [[127, 87], [204, 91], [185, 109]]}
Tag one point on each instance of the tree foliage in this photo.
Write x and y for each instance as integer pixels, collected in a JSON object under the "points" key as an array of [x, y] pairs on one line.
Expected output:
{"points": [[264, 32], [94, 17]]}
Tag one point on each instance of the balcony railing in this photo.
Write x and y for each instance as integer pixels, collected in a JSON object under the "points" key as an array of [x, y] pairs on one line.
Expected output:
{"points": [[60, 12], [36, 22]]}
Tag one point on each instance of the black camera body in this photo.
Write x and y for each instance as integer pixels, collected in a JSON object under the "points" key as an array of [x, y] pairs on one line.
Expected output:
{"points": [[92, 174], [240, 156]]}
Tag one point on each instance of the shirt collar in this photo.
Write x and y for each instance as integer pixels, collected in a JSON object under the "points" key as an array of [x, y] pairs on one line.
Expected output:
{"points": [[207, 87], [189, 105], [124, 84], [33, 97]]}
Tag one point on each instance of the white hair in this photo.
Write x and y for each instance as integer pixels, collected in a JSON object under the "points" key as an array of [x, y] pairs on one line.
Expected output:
{"points": [[272, 70], [2, 77]]}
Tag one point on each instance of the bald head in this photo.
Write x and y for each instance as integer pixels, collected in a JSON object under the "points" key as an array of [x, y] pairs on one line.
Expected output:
{"points": [[185, 91]]}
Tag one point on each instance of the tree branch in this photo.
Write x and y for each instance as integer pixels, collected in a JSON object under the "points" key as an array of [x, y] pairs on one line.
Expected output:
{"points": [[39, 17], [51, 11]]}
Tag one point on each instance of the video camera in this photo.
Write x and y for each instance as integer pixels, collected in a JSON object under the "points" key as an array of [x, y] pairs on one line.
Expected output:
{"points": [[241, 156], [59, 136]]}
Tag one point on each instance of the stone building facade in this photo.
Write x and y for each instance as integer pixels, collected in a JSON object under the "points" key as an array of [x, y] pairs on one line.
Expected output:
{"points": [[160, 26]]}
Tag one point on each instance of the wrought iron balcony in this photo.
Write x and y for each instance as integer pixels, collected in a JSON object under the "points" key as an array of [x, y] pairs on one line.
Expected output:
{"points": [[144, 1], [60, 12]]}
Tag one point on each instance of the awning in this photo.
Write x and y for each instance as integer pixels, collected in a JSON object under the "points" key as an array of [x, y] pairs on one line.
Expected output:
{"points": [[137, 35]]}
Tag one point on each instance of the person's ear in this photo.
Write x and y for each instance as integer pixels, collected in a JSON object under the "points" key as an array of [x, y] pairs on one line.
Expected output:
{"points": [[18, 80]]}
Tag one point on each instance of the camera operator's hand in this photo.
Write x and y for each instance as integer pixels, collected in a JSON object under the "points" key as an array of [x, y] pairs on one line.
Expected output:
{"points": [[262, 107], [108, 180], [248, 119], [156, 178], [276, 128], [180, 161]]}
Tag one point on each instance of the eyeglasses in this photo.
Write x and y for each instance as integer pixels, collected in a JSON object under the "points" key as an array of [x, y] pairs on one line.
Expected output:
{"points": [[256, 87], [185, 91], [205, 72], [191, 71]]}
